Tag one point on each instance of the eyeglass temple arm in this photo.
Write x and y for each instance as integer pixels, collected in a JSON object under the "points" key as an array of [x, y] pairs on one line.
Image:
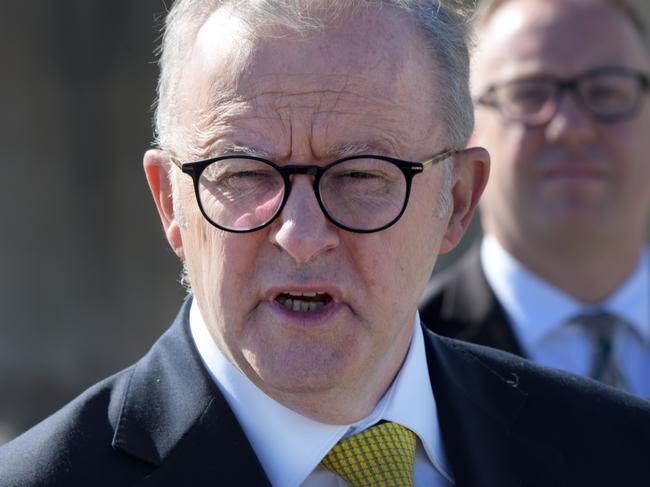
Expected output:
{"points": [[440, 157]]}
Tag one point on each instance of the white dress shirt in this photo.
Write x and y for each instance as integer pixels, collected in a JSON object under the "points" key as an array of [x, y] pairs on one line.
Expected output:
{"points": [[290, 446], [539, 312]]}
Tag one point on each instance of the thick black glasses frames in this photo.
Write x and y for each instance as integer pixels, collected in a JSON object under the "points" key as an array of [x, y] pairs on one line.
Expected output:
{"points": [[608, 94], [408, 170]]}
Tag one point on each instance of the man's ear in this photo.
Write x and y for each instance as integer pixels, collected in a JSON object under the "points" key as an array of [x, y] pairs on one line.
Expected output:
{"points": [[156, 163], [471, 170]]}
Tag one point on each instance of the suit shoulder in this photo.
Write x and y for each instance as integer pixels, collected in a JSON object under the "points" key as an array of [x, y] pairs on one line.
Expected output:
{"points": [[557, 391], [79, 434]]}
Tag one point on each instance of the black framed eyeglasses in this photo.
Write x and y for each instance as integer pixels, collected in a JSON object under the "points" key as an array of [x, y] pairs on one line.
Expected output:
{"points": [[609, 94], [360, 193]]}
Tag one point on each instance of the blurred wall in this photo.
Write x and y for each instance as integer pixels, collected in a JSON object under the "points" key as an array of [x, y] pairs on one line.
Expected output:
{"points": [[88, 281]]}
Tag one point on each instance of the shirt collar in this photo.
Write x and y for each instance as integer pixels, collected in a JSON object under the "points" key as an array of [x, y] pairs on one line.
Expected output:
{"points": [[304, 442], [536, 307], [631, 301]]}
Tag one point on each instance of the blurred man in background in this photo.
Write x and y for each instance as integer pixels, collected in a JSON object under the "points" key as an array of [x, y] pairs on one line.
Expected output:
{"points": [[562, 275]]}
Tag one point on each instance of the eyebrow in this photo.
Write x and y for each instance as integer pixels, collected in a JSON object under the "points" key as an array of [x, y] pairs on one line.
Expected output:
{"points": [[222, 147], [378, 147], [348, 150]]}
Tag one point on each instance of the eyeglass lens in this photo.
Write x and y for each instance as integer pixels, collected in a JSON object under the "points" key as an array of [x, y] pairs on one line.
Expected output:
{"points": [[243, 194]]}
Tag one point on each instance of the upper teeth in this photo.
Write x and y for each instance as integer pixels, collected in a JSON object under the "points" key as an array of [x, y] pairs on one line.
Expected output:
{"points": [[307, 294], [296, 304]]}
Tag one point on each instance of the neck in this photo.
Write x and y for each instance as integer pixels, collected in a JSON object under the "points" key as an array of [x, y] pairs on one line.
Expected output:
{"points": [[333, 407], [589, 271]]}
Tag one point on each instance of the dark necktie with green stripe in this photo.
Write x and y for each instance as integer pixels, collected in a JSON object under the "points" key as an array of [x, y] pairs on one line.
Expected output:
{"points": [[604, 367]]}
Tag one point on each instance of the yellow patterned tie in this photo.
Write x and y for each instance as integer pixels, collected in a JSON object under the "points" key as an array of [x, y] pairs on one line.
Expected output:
{"points": [[382, 455]]}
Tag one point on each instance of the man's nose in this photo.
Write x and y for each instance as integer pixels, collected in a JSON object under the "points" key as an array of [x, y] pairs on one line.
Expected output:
{"points": [[571, 123], [302, 229]]}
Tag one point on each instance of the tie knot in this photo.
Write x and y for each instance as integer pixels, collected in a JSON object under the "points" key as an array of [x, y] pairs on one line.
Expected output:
{"points": [[383, 455], [604, 366], [599, 325]]}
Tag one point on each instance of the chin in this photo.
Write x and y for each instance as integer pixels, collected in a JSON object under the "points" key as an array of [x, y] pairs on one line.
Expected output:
{"points": [[303, 371]]}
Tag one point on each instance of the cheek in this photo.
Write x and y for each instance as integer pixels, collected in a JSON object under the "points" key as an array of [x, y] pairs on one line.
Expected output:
{"points": [[366, 261], [203, 252], [215, 258], [627, 141], [629, 149], [423, 226], [385, 277], [514, 158], [509, 144], [222, 271], [401, 260], [519, 147]]}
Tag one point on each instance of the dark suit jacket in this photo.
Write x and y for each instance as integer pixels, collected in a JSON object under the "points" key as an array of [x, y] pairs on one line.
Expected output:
{"points": [[459, 303], [504, 422]]}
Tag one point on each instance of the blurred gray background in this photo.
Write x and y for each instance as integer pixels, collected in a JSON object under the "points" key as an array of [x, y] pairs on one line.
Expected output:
{"points": [[88, 281]]}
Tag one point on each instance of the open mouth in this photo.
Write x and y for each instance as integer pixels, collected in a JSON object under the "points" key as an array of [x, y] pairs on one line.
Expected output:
{"points": [[303, 302]]}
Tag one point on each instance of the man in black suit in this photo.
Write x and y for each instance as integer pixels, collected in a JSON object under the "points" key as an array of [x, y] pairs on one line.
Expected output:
{"points": [[562, 275], [307, 175]]}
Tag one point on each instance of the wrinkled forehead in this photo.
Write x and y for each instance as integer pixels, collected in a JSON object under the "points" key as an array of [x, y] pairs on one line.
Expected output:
{"points": [[241, 53], [374, 66], [556, 37]]}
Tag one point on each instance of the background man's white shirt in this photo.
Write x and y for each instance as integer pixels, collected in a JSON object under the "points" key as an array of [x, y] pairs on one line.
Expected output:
{"points": [[290, 446], [539, 311]]}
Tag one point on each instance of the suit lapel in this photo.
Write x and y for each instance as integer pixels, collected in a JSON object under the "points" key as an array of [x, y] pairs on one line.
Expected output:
{"points": [[174, 417], [471, 301], [479, 412]]}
